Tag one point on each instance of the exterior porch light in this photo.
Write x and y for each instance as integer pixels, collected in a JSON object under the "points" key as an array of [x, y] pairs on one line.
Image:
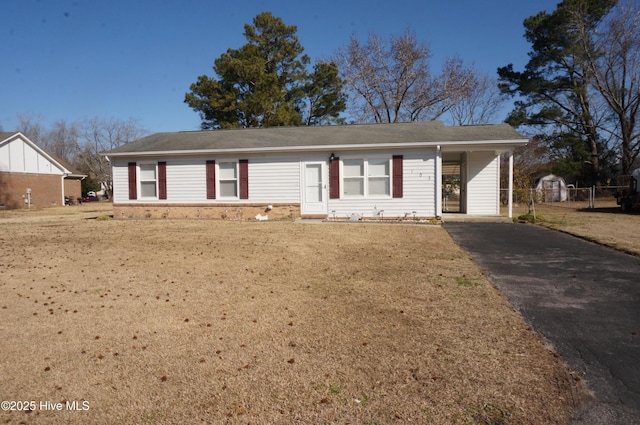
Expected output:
{"points": [[332, 156]]}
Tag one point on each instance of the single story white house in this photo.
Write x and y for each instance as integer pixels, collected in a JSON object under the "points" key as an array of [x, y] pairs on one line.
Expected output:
{"points": [[29, 176], [377, 171]]}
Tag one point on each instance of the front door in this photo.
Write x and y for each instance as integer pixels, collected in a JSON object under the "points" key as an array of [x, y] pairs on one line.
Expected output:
{"points": [[314, 188]]}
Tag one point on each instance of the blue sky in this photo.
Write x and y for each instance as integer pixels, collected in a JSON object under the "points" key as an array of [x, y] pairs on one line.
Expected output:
{"points": [[74, 59]]}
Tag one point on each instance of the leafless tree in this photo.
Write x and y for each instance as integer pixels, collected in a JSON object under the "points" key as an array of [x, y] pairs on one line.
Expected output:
{"points": [[62, 141], [480, 104], [393, 82], [616, 76], [80, 143], [31, 126], [98, 135]]}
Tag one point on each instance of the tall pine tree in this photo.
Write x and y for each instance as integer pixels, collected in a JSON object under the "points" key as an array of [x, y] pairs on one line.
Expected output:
{"points": [[555, 84], [265, 83]]}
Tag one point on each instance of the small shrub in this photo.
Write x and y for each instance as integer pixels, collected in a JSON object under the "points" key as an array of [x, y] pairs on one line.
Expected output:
{"points": [[491, 414], [103, 217], [530, 218], [467, 283]]}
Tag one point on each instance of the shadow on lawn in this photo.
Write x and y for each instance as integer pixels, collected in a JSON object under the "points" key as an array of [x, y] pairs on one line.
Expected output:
{"points": [[609, 210]]}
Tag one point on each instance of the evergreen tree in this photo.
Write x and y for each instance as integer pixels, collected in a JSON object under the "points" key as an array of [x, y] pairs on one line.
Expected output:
{"points": [[325, 96], [555, 85], [264, 83]]}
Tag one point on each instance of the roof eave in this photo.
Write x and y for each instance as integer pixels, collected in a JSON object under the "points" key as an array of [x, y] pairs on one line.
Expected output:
{"points": [[492, 145], [75, 176]]}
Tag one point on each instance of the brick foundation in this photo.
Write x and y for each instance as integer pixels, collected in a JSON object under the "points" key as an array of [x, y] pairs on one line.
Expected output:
{"points": [[207, 211]]}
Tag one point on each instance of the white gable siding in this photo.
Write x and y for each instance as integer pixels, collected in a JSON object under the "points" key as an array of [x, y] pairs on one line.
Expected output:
{"points": [[17, 160], [418, 189], [5, 164], [33, 162], [17, 156], [483, 187]]}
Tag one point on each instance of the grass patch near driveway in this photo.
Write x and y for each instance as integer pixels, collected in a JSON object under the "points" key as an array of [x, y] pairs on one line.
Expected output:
{"points": [[605, 224], [173, 322]]}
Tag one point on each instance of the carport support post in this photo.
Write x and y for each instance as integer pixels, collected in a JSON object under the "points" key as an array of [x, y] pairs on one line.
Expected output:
{"points": [[438, 177], [510, 193]]}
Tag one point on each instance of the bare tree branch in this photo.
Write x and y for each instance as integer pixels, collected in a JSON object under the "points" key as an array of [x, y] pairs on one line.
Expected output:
{"points": [[616, 76], [392, 82], [98, 135], [480, 104]]}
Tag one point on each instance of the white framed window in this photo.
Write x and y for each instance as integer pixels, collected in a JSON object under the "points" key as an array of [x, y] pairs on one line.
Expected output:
{"points": [[379, 177], [148, 179], [228, 179], [370, 177], [353, 177]]}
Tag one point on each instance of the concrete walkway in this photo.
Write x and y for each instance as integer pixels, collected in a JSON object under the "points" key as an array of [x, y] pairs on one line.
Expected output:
{"points": [[582, 297]]}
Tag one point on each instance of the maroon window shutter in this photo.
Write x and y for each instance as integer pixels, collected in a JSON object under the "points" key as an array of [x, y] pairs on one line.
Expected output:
{"points": [[133, 184], [397, 176], [244, 178], [211, 180], [334, 178], [162, 180]]}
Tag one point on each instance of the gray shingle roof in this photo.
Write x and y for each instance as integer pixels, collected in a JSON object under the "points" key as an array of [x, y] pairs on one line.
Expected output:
{"points": [[6, 134], [306, 137]]}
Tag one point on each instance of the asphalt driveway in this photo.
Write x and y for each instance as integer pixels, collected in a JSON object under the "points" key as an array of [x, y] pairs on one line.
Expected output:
{"points": [[582, 297]]}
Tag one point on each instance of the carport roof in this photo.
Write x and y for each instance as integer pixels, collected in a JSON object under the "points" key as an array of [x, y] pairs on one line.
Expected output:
{"points": [[359, 136]]}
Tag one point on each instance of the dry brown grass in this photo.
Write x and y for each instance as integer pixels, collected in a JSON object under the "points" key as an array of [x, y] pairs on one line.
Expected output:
{"points": [[181, 322], [605, 224]]}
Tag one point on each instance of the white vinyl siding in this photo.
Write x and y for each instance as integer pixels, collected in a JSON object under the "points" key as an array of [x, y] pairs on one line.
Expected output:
{"points": [[274, 179], [120, 174], [277, 178], [271, 180], [418, 189], [186, 180], [483, 186]]}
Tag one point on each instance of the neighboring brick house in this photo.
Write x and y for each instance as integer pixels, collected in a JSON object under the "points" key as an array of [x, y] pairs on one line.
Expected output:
{"points": [[32, 177]]}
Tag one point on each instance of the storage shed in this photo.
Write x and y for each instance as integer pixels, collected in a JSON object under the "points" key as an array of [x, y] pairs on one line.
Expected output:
{"points": [[551, 188], [370, 171]]}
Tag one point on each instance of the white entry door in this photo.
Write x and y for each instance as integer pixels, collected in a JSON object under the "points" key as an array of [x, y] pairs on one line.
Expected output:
{"points": [[314, 188]]}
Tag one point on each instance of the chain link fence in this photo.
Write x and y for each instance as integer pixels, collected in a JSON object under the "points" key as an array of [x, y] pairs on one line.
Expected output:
{"points": [[580, 197]]}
